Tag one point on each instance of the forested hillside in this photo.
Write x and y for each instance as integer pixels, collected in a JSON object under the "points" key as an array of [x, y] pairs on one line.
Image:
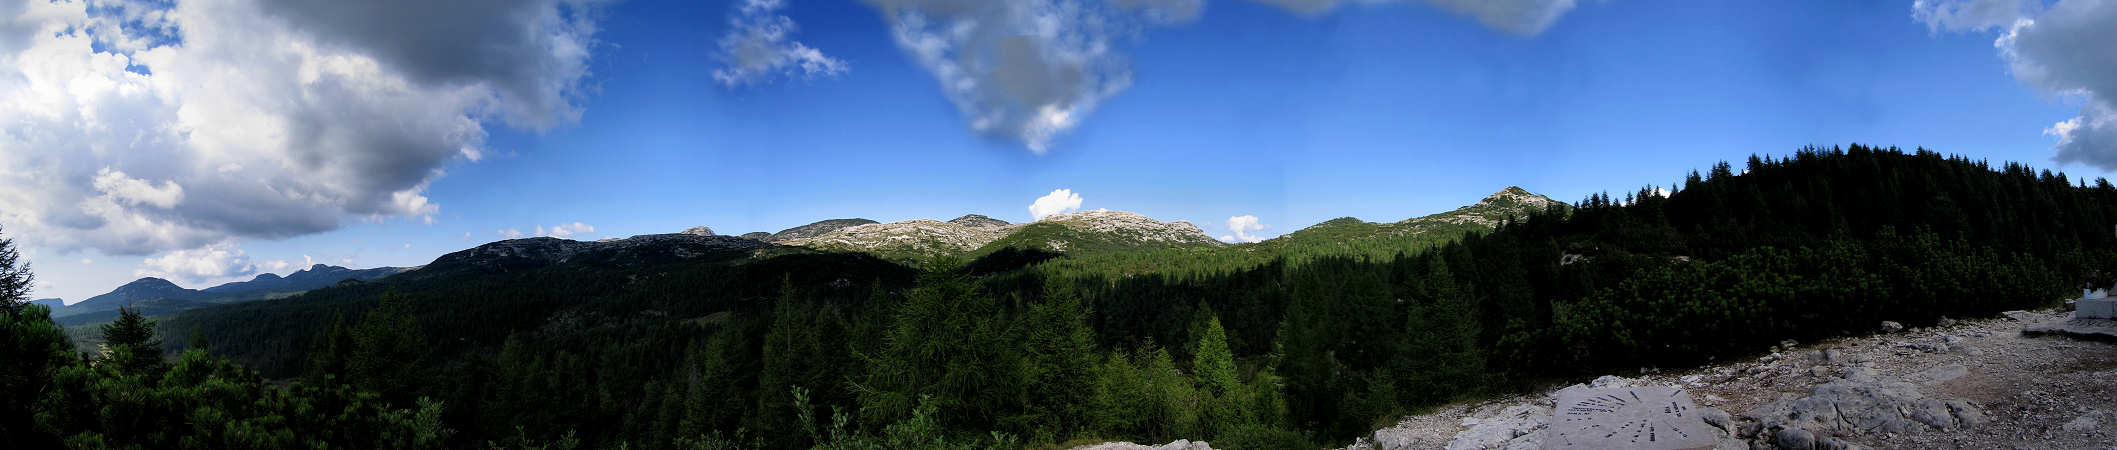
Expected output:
{"points": [[1296, 348]]}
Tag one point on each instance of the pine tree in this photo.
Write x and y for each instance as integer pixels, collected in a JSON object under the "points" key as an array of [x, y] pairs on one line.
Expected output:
{"points": [[328, 351], [1211, 361], [32, 350], [15, 278], [387, 350], [1058, 368], [130, 342]]}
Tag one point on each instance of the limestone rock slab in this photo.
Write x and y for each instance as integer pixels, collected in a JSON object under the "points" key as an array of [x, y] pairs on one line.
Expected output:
{"points": [[1640, 417]]}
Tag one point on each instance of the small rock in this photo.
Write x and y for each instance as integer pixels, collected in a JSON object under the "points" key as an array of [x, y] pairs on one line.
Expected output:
{"points": [[1795, 438], [1947, 372], [1718, 419], [2019, 316], [1789, 344], [1945, 322], [1833, 356], [2086, 422], [1819, 371], [1728, 443], [1609, 381], [1892, 327]]}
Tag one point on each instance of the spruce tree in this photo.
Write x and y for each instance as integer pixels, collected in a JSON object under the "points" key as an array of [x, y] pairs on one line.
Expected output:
{"points": [[32, 350], [131, 342], [1211, 361], [15, 278], [387, 349]]}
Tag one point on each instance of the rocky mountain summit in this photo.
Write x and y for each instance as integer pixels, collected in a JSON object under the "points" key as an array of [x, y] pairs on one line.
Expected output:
{"points": [[1134, 226], [917, 238], [923, 238], [818, 228], [978, 220], [698, 231], [1512, 202]]}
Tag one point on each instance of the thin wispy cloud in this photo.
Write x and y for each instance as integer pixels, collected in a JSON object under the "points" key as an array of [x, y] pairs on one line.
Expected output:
{"points": [[760, 45]]}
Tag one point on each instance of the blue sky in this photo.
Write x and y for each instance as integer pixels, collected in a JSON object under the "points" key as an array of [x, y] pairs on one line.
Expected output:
{"points": [[1376, 111]]}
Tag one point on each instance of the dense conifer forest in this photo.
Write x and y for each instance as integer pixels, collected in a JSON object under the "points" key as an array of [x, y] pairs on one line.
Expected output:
{"points": [[1299, 346]]}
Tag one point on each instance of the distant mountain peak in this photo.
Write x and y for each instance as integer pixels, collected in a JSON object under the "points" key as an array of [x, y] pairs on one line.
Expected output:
{"points": [[698, 231], [817, 228], [1516, 196], [150, 282], [978, 220]]}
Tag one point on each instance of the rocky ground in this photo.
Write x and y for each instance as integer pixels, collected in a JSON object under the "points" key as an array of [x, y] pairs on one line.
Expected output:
{"points": [[1968, 384], [1964, 384]]}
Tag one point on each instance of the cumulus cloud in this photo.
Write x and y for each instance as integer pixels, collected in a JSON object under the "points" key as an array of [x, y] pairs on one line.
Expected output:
{"points": [[1025, 70], [1959, 15], [511, 233], [1242, 226], [2063, 50], [760, 44], [1031, 70], [1058, 201], [212, 262], [140, 127]]}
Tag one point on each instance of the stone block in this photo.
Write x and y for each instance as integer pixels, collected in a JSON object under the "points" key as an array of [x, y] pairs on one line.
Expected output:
{"points": [[2096, 308]]}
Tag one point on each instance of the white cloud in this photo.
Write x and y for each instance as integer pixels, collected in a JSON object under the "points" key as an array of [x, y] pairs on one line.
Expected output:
{"points": [[275, 266], [133, 191], [1058, 201], [140, 127], [567, 231], [760, 44], [1032, 70], [407, 245], [1242, 226], [561, 231], [1025, 70], [1960, 15], [1519, 17], [212, 262], [2063, 50]]}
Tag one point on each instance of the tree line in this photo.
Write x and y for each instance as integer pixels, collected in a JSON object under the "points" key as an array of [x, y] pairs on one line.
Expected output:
{"points": [[1296, 349]]}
